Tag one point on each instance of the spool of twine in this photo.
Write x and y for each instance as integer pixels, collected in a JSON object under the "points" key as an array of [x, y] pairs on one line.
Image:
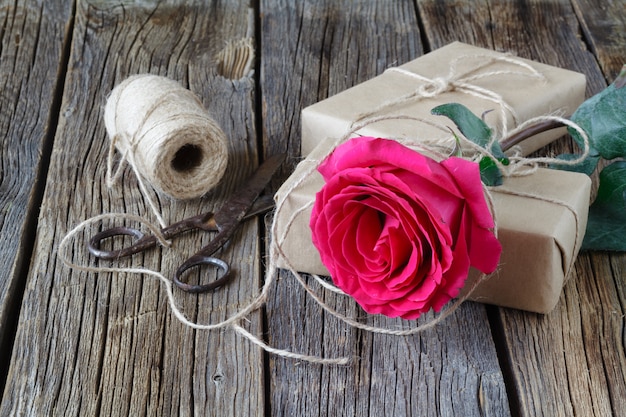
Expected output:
{"points": [[164, 132]]}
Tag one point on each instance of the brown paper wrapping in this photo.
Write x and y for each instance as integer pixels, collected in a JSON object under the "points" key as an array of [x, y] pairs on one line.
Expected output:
{"points": [[560, 91], [541, 235]]}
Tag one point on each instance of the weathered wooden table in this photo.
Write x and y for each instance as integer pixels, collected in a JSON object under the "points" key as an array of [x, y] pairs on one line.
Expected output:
{"points": [[77, 343]]}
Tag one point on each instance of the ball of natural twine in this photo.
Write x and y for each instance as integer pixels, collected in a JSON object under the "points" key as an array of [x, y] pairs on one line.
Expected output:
{"points": [[166, 134]]}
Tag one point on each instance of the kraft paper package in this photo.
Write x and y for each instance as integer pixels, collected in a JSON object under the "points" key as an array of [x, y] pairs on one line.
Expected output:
{"points": [[541, 230], [541, 217], [531, 91]]}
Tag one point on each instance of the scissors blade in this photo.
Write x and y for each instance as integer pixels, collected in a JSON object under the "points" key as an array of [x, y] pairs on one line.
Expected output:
{"points": [[235, 209], [227, 220]]}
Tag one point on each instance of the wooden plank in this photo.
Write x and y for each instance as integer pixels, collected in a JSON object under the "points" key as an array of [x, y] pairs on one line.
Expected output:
{"points": [[603, 25], [107, 344], [31, 68], [312, 50], [603, 320], [570, 362]]}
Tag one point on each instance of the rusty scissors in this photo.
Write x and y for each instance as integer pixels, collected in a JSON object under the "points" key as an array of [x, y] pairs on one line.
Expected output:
{"points": [[244, 204]]}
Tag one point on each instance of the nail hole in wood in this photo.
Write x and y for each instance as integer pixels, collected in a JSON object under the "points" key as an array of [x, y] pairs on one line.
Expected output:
{"points": [[235, 61]]}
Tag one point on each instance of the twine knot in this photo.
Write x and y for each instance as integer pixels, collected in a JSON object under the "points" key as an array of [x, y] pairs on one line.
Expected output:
{"points": [[435, 87], [462, 81]]}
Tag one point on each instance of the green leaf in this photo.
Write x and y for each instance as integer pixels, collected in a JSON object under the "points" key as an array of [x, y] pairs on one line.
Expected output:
{"points": [[606, 226], [472, 126], [603, 118], [585, 167], [468, 123], [489, 172]]}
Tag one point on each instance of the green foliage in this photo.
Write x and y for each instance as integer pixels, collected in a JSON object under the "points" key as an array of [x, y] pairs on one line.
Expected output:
{"points": [[489, 172], [586, 167], [468, 123], [603, 118], [606, 227], [477, 131], [472, 127]]}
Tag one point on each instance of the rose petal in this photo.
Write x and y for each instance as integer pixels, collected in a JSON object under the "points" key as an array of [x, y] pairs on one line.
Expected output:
{"points": [[342, 238], [467, 178]]}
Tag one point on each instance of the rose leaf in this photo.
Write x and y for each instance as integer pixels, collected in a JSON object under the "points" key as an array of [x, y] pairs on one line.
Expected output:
{"points": [[602, 118], [606, 226], [490, 174], [472, 126]]}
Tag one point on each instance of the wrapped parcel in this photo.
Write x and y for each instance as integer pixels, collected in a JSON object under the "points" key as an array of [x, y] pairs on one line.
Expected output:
{"points": [[541, 217], [489, 83]]}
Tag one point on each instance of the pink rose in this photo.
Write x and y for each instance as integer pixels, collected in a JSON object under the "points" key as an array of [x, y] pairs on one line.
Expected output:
{"points": [[398, 231]]}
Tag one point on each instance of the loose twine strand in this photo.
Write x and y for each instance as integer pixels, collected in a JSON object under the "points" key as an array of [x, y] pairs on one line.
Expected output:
{"points": [[233, 321], [437, 147]]}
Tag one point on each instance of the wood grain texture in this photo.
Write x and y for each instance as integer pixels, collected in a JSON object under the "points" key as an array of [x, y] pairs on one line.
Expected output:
{"points": [[33, 36], [603, 24], [569, 362], [107, 344], [603, 300], [312, 50]]}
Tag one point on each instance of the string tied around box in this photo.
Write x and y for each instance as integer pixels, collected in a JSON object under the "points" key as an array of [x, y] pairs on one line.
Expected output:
{"points": [[167, 137], [462, 81], [433, 149], [438, 148]]}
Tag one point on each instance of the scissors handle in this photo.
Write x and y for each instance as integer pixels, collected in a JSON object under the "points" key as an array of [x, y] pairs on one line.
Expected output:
{"points": [[144, 242], [198, 260], [244, 204]]}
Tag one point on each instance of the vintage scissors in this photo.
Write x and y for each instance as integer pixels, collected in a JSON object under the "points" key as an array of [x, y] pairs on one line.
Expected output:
{"points": [[244, 203]]}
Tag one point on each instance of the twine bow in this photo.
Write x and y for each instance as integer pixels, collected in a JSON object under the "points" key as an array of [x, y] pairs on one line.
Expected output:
{"points": [[463, 82]]}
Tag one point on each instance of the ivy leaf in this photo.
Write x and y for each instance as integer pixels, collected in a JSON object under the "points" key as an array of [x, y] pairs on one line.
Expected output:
{"points": [[472, 126], [602, 117], [606, 226], [490, 174], [585, 167]]}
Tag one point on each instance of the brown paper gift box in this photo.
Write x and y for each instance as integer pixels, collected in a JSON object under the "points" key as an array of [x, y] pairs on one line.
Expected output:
{"points": [[541, 230], [560, 91], [541, 236]]}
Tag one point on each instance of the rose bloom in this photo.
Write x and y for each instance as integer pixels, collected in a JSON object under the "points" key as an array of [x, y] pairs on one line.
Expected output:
{"points": [[398, 231]]}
